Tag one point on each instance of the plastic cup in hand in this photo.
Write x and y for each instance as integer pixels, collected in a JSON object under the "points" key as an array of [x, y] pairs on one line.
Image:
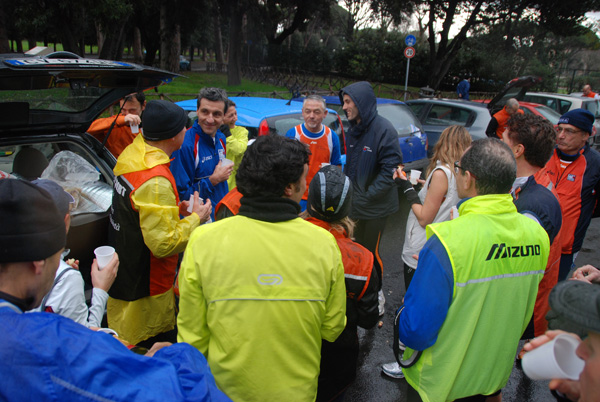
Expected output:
{"points": [[414, 176], [555, 359], [226, 162], [190, 207], [103, 255]]}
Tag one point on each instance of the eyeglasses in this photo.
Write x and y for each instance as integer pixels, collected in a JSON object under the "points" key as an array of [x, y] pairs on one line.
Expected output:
{"points": [[457, 167], [568, 131]]}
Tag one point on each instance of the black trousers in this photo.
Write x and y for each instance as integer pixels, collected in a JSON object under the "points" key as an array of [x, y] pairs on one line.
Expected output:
{"points": [[368, 233]]}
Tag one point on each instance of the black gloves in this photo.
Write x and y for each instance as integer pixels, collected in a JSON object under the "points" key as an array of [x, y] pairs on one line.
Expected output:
{"points": [[406, 188]]}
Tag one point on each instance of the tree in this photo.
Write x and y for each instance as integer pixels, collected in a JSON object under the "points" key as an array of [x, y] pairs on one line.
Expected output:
{"points": [[4, 47], [554, 15]]}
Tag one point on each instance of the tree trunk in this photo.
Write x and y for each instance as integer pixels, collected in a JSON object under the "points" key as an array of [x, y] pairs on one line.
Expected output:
{"points": [[68, 39], [99, 37], [443, 53], [234, 68], [4, 43], [137, 45], [112, 46], [219, 39], [170, 44]]}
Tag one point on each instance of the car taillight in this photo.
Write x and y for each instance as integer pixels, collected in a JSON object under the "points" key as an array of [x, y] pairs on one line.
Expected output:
{"points": [[263, 128]]}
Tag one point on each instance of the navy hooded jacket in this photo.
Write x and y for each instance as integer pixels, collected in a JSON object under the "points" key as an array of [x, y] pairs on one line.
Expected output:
{"points": [[372, 154]]}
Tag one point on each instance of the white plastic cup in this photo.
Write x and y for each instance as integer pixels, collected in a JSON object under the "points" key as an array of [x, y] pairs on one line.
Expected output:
{"points": [[103, 255], [226, 162], [135, 128], [190, 207], [414, 176], [555, 359], [108, 331]]}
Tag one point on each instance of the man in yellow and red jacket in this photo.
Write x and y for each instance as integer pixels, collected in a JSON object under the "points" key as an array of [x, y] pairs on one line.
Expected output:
{"points": [[146, 230]]}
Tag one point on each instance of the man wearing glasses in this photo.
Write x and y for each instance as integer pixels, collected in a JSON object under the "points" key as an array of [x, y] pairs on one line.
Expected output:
{"points": [[457, 304], [574, 170]]}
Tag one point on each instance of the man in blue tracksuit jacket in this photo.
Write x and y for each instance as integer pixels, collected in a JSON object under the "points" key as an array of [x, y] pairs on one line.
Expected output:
{"points": [[372, 154], [197, 165], [48, 357]]}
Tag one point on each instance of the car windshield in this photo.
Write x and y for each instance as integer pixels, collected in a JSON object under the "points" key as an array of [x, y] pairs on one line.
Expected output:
{"points": [[61, 99], [401, 117]]}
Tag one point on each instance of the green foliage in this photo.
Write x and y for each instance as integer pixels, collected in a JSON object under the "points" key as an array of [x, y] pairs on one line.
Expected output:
{"points": [[191, 84]]}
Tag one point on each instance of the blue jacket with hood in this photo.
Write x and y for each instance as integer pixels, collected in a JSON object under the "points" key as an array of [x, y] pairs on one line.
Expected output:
{"points": [[372, 154]]}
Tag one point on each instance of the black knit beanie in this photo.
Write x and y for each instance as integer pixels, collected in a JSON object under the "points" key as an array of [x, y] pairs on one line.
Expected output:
{"points": [[162, 120], [32, 229], [329, 194]]}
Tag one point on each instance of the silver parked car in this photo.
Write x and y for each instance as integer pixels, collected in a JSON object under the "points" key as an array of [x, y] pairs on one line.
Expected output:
{"points": [[437, 114]]}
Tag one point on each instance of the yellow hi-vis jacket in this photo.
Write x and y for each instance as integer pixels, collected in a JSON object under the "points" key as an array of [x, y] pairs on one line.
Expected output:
{"points": [[257, 298], [498, 258]]}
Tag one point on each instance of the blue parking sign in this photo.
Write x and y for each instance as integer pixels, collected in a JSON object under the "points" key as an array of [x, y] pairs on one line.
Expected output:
{"points": [[410, 40]]}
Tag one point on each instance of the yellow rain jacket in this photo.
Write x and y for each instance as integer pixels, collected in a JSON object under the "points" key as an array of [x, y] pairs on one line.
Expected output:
{"points": [[148, 234], [237, 143], [257, 298]]}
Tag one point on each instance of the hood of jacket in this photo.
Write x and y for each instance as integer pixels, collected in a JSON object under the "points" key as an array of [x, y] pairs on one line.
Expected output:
{"points": [[139, 156], [363, 96]]}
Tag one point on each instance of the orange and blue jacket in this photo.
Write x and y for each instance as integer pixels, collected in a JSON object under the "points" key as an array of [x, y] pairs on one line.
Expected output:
{"points": [[578, 186]]}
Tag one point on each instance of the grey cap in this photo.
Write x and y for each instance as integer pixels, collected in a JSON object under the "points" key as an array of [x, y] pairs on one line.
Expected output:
{"points": [[575, 307]]}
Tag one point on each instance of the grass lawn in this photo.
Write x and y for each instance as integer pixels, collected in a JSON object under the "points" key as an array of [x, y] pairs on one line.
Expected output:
{"points": [[187, 87]]}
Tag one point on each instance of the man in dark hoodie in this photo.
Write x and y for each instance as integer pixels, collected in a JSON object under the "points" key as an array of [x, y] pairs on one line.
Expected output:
{"points": [[373, 152]]}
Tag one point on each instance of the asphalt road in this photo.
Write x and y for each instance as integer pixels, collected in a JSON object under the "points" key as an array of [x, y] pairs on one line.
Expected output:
{"points": [[376, 344]]}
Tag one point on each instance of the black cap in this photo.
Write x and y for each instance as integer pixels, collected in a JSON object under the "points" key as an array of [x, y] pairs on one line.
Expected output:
{"points": [[575, 307], [329, 194], [32, 229], [162, 120]]}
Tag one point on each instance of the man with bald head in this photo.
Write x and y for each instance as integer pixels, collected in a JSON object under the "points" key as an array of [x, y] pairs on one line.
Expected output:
{"points": [[587, 92], [497, 125]]}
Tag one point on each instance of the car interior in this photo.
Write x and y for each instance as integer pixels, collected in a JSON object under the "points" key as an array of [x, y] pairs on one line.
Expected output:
{"points": [[89, 215]]}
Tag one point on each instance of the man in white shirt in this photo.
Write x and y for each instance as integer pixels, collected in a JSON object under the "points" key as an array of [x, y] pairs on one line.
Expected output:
{"points": [[67, 296]]}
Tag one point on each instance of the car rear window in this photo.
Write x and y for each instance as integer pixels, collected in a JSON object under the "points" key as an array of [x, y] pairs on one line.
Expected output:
{"points": [[593, 106], [58, 99], [401, 117], [444, 115]]}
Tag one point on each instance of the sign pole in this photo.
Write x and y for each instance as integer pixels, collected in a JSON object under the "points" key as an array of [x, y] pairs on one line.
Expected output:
{"points": [[409, 53], [406, 81]]}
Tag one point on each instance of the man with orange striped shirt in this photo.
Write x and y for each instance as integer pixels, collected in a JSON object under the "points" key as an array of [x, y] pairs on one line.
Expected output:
{"points": [[323, 143]]}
